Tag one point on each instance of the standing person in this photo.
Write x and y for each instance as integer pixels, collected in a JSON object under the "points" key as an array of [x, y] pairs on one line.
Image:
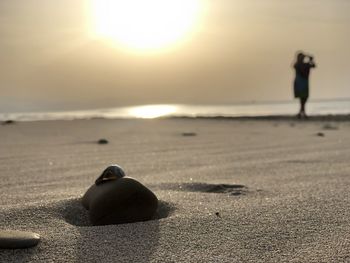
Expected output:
{"points": [[302, 68]]}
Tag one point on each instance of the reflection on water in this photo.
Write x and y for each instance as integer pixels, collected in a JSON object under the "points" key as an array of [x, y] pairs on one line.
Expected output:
{"points": [[156, 111], [152, 111]]}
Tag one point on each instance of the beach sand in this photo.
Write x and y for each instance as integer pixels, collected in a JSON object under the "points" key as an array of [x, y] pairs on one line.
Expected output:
{"points": [[229, 190]]}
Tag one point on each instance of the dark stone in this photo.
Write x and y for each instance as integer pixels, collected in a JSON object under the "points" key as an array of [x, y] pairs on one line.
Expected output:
{"points": [[102, 141], [112, 172], [189, 134], [12, 239], [119, 200], [320, 134], [8, 122]]}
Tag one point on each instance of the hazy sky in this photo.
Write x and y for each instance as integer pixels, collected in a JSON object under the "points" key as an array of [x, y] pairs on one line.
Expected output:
{"points": [[242, 50]]}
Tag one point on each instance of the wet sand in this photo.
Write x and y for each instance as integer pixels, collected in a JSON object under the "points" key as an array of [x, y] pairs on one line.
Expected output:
{"points": [[230, 190]]}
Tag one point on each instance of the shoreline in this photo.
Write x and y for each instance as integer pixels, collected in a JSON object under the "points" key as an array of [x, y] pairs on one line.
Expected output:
{"points": [[328, 117], [311, 118]]}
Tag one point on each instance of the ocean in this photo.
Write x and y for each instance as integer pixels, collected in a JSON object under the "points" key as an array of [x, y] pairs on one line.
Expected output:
{"points": [[290, 108]]}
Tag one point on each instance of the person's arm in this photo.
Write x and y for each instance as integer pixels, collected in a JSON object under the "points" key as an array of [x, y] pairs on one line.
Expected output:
{"points": [[312, 64]]}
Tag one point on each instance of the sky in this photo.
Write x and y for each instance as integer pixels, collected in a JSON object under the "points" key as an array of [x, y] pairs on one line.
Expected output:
{"points": [[237, 51]]}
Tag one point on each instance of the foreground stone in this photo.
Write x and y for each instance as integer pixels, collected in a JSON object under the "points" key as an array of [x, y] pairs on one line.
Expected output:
{"points": [[117, 199], [12, 239]]}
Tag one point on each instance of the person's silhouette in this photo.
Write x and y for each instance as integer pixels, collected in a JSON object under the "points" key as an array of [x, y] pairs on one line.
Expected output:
{"points": [[302, 68]]}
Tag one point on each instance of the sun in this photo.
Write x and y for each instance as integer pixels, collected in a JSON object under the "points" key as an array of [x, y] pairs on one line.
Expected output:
{"points": [[145, 24]]}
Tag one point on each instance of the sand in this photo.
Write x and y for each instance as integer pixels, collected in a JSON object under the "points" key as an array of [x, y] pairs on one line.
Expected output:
{"points": [[283, 193]]}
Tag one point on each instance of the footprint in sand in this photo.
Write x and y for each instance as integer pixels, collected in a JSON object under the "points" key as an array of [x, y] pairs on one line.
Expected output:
{"points": [[329, 127], [302, 161], [231, 189]]}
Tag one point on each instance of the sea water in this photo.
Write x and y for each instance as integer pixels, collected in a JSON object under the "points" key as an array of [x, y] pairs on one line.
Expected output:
{"points": [[321, 107]]}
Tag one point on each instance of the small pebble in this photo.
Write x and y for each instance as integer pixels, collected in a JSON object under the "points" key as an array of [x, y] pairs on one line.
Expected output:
{"points": [[12, 239], [8, 122], [320, 134], [102, 141], [189, 134]]}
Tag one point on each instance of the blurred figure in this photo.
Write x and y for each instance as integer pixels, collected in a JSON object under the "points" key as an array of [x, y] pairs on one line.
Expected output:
{"points": [[302, 67]]}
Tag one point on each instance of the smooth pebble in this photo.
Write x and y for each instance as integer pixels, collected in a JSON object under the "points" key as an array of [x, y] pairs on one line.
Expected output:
{"points": [[116, 199], [12, 239], [102, 141]]}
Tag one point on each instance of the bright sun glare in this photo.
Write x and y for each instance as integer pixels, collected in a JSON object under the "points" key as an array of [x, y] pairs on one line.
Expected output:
{"points": [[152, 111], [145, 24]]}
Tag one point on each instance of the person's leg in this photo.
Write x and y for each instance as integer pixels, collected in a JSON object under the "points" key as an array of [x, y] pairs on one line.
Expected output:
{"points": [[302, 106]]}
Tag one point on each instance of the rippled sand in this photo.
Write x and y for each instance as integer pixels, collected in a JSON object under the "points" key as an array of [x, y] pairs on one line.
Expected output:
{"points": [[230, 190]]}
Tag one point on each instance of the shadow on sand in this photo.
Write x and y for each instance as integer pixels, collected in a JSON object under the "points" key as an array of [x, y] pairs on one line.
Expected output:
{"points": [[134, 242]]}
